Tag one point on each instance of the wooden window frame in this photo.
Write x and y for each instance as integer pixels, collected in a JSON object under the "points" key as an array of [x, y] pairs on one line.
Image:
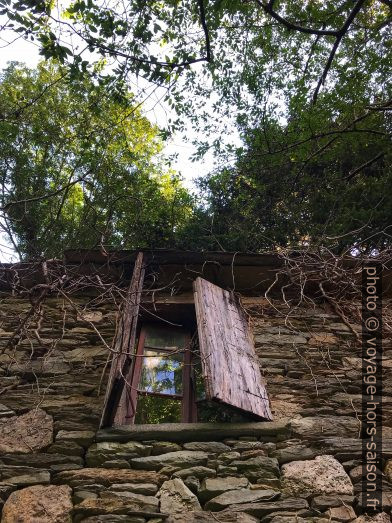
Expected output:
{"points": [[218, 315], [188, 403]]}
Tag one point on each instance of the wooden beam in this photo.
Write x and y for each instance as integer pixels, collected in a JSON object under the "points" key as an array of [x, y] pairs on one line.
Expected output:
{"points": [[115, 404]]}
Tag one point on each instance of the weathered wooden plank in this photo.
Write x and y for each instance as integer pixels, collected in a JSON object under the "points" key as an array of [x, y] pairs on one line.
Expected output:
{"points": [[117, 395], [229, 361]]}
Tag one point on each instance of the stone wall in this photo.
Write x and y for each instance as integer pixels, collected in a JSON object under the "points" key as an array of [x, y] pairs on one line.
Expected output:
{"points": [[56, 466]]}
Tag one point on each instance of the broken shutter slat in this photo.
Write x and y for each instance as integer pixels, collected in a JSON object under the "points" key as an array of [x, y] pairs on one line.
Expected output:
{"points": [[117, 394], [230, 365]]}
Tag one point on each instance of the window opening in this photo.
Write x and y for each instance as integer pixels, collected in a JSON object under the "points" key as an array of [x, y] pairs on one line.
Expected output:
{"points": [[161, 389]]}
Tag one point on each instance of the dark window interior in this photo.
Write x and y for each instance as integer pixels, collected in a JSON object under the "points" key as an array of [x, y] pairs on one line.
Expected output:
{"points": [[167, 382]]}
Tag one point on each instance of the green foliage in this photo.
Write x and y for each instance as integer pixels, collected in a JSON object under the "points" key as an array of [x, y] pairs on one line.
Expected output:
{"points": [[255, 56], [79, 169], [288, 190], [307, 85]]}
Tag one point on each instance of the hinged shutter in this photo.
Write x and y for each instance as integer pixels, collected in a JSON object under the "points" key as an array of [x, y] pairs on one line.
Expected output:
{"points": [[117, 395], [230, 365]]}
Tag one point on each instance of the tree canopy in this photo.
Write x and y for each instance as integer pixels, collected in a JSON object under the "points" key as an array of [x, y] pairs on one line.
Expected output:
{"points": [[300, 197], [248, 53], [80, 169], [306, 85]]}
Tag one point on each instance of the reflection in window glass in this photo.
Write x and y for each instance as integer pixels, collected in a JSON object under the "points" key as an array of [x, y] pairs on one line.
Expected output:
{"points": [[161, 373], [155, 409], [162, 338]]}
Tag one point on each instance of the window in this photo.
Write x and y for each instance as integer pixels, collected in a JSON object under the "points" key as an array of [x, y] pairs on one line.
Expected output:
{"points": [[153, 375], [161, 389]]}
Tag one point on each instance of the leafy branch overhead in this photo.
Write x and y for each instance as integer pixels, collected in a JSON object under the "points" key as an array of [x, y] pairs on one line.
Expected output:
{"points": [[80, 169], [154, 39], [305, 87]]}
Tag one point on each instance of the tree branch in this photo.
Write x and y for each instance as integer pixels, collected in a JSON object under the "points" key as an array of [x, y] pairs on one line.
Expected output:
{"points": [[268, 8], [364, 165], [205, 29], [339, 36], [7, 206]]}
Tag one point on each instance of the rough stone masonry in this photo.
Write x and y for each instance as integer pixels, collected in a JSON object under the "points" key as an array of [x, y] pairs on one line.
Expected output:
{"points": [[56, 466]]}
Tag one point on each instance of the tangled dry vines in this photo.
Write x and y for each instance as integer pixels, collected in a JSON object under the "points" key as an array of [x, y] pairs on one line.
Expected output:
{"points": [[303, 279]]}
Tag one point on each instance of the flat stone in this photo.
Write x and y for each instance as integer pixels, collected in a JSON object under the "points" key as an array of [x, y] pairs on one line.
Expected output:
{"points": [[98, 453], [224, 470], [351, 448], [258, 466], [143, 502], [107, 477], [41, 367], [236, 497], [293, 517], [169, 470], [262, 509], [210, 517], [40, 460], [279, 339], [112, 518], [50, 504], [215, 447], [81, 495], [68, 448], [342, 514], [323, 338], [90, 316], [323, 503], [116, 464], [248, 445], [83, 354], [323, 475], [26, 433], [294, 453], [79, 422], [148, 489], [91, 487], [197, 472], [162, 447], [383, 517], [6, 412], [228, 457], [23, 476], [81, 437], [212, 487], [181, 459], [182, 432], [110, 506], [316, 427], [176, 498]]}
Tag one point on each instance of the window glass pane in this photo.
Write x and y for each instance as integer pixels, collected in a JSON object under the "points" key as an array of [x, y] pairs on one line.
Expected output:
{"points": [[165, 338], [155, 409], [161, 372]]}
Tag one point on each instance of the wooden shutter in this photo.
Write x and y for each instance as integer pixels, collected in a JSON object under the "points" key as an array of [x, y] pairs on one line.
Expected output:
{"points": [[117, 394], [230, 365]]}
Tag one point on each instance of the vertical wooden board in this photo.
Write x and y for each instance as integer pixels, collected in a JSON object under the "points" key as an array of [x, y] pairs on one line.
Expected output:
{"points": [[117, 393], [230, 365]]}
